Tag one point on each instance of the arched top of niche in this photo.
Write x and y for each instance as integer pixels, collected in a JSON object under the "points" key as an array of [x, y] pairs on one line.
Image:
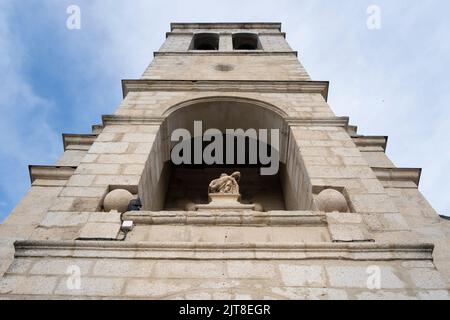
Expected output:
{"points": [[230, 99]]}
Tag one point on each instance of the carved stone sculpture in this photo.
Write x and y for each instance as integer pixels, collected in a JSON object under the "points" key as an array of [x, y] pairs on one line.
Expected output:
{"points": [[224, 195], [225, 184]]}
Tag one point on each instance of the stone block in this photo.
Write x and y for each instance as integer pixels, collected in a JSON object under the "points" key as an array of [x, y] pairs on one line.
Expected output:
{"points": [[81, 180], [347, 233], [33, 285], [188, 269], [344, 218], [358, 277], [108, 217], [107, 137], [294, 293], [133, 169], [139, 137], [109, 147], [376, 203], [427, 279], [96, 168], [123, 268], [157, 289], [302, 276], [434, 295], [143, 148], [58, 266], [20, 266], [92, 287], [64, 219], [95, 230], [384, 295], [122, 158], [418, 264], [250, 270], [117, 180], [85, 192]]}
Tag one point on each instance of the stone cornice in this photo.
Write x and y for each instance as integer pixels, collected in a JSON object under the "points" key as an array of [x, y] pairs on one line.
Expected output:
{"points": [[78, 139], [320, 87], [370, 141], [213, 251], [332, 121], [399, 174], [265, 33], [225, 25], [293, 122], [50, 172], [120, 119], [225, 53], [271, 218]]}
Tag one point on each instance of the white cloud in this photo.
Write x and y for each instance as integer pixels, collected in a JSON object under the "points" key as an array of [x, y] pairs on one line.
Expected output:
{"points": [[25, 134]]}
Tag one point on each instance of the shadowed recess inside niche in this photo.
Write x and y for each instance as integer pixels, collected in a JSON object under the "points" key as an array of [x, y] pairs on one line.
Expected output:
{"points": [[188, 184]]}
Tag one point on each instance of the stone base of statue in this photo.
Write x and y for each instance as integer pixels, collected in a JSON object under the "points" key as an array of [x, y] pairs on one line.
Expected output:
{"points": [[225, 202]]}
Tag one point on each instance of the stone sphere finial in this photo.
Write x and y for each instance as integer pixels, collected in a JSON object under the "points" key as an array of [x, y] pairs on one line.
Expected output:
{"points": [[259, 207], [117, 200], [330, 200]]}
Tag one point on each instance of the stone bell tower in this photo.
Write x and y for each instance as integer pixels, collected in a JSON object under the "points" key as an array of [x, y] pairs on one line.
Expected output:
{"points": [[338, 220]]}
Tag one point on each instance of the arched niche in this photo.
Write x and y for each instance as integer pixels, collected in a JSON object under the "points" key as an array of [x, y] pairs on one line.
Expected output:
{"points": [[166, 186]]}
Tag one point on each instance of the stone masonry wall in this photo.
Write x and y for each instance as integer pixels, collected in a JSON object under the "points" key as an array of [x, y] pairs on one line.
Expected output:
{"points": [[232, 279]]}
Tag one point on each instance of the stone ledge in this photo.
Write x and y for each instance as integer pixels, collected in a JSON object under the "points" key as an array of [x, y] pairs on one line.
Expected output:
{"points": [[398, 174], [225, 25], [118, 120], [263, 33], [330, 121], [210, 251], [78, 140], [370, 141], [249, 218], [226, 86], [50, 172], [225, 53], [294, 122]]}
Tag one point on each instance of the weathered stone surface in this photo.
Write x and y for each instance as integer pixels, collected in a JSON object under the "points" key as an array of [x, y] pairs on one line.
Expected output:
{"points": [[60, 266], [96, 287], [123, 268], [250, 270], [344, 218], [384, 295], [434, 295], [64, 219], [347, 233], [96, 230], [357, 277], [109, 147], [427, 279], [36, 285], [302, 276], [187, 269], [155, 289], [310, 293], [292, 251]]}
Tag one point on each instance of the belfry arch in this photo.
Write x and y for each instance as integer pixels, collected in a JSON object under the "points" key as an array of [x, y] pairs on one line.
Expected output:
{"points": [[162, 183]]}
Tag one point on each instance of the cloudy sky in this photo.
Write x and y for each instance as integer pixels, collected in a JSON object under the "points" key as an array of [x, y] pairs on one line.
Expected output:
{"points": [[393, 81]]}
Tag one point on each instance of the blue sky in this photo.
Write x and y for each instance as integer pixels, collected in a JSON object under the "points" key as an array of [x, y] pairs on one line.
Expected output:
{"points": [[393, 81]]}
